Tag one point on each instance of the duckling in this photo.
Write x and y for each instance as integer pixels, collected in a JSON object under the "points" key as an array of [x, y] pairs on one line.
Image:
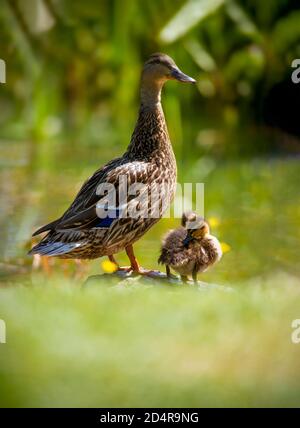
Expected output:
{"points": [[190, 249], [80, 233]]}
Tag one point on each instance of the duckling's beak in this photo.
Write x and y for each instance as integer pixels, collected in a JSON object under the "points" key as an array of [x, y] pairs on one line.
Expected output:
{"points": [[187, 240], [181, 77]]}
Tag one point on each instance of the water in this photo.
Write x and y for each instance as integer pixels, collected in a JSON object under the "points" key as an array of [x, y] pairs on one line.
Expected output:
{"points": [[253, 206]]}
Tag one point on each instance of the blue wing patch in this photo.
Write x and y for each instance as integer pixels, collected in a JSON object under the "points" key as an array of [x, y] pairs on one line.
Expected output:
{"points": [[111, 216], [105, 222]]}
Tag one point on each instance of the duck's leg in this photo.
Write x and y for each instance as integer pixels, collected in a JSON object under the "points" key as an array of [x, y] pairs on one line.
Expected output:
{"points": [[184, 278], [113, 260], [135, 266], [119, 268]]}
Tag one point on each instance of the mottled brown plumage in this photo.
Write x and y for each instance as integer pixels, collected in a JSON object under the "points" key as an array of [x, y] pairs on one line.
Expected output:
{"points": [[148, 161], [190, 249]]}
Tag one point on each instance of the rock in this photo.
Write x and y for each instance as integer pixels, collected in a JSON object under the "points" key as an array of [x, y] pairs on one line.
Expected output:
{"points": [[122, 279]]}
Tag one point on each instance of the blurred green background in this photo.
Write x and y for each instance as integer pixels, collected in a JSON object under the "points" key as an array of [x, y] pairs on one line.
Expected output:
{"points": [[69, 104]]}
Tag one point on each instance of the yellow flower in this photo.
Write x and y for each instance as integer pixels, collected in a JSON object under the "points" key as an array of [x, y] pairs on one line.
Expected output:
{"points": [[108, 266], [214, 222], [225, 247]]}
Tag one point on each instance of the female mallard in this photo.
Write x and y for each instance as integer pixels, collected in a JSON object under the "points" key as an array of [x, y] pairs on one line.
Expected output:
{"points": [[190, 248], [100, 221]]}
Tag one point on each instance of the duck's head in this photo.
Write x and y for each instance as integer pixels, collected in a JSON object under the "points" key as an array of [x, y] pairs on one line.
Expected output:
{"points": [[161, 67], [197, 227], [156, 71]]}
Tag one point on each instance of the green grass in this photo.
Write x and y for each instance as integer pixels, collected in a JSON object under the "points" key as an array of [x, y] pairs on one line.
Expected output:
{"points": [[108, 345]]}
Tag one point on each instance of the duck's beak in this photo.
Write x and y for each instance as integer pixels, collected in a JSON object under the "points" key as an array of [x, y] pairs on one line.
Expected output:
{"points": [[181, 77]]}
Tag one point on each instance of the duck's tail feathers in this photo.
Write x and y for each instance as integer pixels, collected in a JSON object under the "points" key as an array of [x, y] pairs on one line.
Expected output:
{"points": [[53, 248], [45, 228]]}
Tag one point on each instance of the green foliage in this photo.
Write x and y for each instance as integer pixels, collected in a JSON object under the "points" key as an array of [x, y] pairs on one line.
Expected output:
{"points": [[77, 64]]}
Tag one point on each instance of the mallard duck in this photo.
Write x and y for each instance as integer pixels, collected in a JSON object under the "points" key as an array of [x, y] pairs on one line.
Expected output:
{"points": [[190, 249], [96, 225]]}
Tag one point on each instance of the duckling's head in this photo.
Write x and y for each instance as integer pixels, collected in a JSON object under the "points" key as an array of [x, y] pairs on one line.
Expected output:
{"points": [[156, 71], [197, 227], [188, 219]]}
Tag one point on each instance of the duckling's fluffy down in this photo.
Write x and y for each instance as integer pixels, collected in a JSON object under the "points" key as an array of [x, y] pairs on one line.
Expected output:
{"points": [[173, 251], [199, 254]]}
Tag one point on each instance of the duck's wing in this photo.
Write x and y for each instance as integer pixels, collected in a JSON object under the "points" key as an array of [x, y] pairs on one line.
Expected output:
{"points": [[85, 196], [93, 207]]}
